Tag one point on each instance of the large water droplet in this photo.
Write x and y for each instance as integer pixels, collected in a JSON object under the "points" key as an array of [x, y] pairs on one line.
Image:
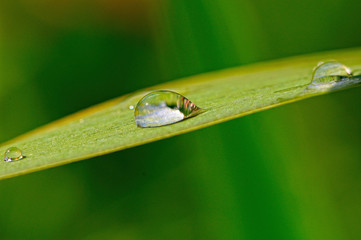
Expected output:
{"points": [[328, 73], [13, 154], [163, 107]]}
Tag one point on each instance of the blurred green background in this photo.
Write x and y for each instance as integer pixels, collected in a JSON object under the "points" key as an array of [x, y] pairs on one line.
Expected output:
{"points": [[293, 172]]}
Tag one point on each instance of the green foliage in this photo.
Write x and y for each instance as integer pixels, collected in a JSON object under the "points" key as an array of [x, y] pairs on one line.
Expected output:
{"points": [[224, 95], [291, 172]]}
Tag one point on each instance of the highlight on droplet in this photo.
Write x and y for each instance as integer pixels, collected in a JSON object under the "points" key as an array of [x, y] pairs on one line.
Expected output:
{"points": [[163, 107]]}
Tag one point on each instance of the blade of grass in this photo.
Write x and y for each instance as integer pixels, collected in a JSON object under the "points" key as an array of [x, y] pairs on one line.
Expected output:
{"points": [[225, 94]]}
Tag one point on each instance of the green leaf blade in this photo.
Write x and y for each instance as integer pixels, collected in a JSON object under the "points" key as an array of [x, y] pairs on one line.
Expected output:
{"points": [[225, 95]]}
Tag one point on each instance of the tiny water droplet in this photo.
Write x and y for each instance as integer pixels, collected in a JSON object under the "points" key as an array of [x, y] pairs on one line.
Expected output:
{"points": [[13, 154], [131, 107], [163, 107], [328, 73]]}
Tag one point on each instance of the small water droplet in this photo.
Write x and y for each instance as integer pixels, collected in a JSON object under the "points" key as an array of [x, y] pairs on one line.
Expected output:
{"points": [[163, 107], [13, 154], [326, 74], [131, 107]]}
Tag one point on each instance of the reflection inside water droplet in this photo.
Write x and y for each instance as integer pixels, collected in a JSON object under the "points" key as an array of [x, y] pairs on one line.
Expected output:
{"points": [[131, 107], [326, 74], [13, 154], [163, 107]]}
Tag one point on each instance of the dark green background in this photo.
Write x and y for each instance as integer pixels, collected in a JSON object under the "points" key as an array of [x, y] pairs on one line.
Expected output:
{"points": [[293, 172]]}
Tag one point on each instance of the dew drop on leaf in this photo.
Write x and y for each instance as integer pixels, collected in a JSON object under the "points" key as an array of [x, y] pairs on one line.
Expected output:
{"points": [[328, 73], [163, 107], [13, 154]]}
